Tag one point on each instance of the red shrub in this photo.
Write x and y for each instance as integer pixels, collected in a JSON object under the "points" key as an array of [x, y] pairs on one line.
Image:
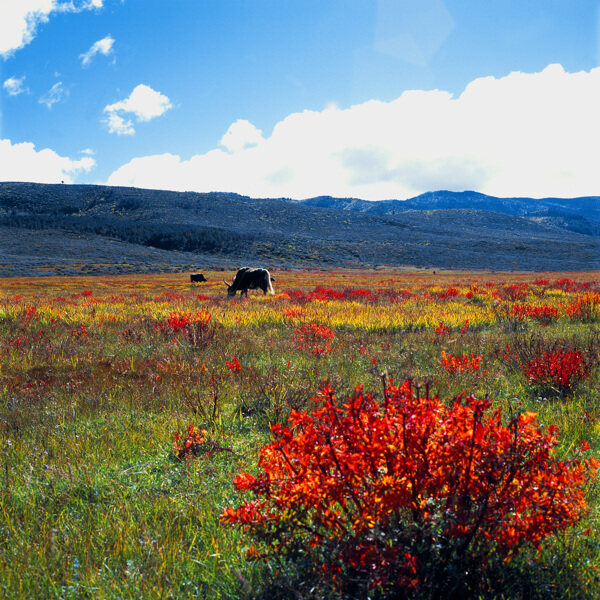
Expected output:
{"points": [[585, 308], [442, 330], [80, 332], [190, 443], [297, 295], [542, 314], [390, 493], [566, 284], [292, 313], [559, 369], [314, 338], [451, 292], [360, 293], [514, 291], [195, 328], [462, 364], [31, 313], [323, 293], [234, 365], [465, 327], [178, 322], [195, 442], [397, 294]]}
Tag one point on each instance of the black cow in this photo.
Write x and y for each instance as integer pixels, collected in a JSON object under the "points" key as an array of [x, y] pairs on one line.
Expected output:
{"points": [[250, 279], [197, 278]]}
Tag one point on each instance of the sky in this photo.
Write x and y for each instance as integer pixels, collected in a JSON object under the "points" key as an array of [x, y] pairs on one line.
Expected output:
{"points": [[374, 99]]}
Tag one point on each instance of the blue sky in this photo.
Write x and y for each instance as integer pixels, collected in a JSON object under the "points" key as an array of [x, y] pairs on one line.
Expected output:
{"points": [[368, 98]]}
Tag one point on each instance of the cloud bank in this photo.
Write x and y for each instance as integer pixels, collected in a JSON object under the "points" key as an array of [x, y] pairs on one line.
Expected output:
{"points": [[19, 19], [103, 46], [22, 162], [143, 103], [524, 134]]}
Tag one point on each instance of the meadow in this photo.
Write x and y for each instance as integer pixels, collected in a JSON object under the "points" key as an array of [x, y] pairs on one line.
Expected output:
{"points": [[128, 405]]}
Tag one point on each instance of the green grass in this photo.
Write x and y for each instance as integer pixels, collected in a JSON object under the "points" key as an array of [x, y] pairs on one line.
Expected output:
{"points": [[93, 503]]}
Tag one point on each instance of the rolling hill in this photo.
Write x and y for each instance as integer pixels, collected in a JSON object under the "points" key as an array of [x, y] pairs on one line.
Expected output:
{"points": [[69, 229]]}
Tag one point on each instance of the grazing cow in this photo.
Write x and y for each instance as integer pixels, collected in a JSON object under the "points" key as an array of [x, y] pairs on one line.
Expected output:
{"points": [[250, 279], [197, 278]]}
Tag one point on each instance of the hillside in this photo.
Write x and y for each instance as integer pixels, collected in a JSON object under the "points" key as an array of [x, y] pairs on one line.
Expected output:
{"points": [[583, 214], [99, 229]]}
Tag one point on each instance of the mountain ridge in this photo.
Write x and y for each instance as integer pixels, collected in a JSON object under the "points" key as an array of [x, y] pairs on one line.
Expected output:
{"points": [[167, 230], [583, 206]]}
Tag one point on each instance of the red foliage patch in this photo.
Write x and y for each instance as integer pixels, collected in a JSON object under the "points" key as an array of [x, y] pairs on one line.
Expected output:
{"points": [[442, 330], [542, 314], [372, 488], [585, 308], [195, 327], [514, 291], [451, 292], [195, 442], [462, 364], [314, 338], [559, 369], [234, 365]]}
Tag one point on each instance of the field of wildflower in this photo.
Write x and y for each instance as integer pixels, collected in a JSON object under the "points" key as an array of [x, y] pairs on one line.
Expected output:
{"points": [[359, 434]]}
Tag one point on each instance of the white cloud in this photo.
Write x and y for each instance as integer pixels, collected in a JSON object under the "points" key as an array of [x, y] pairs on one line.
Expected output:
{"points": [[523, 134], [14, 86], [143, 103], [103, 46], [119, 125], [22, 162], [19, 19], [240, 135], [54, 95]]}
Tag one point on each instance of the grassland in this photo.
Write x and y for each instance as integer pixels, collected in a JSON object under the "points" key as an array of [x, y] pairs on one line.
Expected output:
{"points": [[98, 373]]}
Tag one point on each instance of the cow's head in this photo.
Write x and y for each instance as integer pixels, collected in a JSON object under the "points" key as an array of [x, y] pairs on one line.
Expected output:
{"points": [[230, 288]]}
